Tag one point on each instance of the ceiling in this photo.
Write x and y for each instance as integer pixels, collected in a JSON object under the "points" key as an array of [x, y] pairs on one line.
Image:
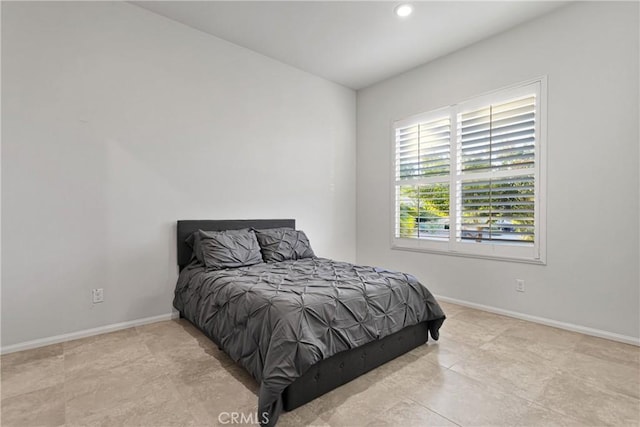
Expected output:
{"points": [[354, 43]]}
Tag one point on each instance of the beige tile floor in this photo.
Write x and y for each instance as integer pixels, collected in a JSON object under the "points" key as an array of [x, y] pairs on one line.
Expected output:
{"points": [[487, 370]]}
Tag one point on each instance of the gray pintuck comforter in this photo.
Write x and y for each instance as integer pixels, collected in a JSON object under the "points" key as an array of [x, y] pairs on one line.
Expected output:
{"points": [[278, 319]]}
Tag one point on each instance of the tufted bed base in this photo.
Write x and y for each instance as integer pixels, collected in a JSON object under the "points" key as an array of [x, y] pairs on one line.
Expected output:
{"points": [[343, 367]]}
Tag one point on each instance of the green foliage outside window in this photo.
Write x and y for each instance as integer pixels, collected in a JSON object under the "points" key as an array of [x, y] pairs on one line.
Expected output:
{"points": [[424, 210]]}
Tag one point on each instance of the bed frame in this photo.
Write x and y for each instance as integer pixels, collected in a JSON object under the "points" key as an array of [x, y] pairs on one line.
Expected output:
{"points": [[338, 369]]}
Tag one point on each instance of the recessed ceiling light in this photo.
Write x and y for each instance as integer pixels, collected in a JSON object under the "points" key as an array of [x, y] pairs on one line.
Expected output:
{"points": [[403, 10]]}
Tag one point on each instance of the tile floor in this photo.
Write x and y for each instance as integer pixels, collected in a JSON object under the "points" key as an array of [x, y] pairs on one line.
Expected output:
{"points": [[487, 370]]}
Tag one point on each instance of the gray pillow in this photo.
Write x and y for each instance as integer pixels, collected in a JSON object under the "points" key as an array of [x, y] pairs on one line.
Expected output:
{"points": [[226, 249], [282, 244]]}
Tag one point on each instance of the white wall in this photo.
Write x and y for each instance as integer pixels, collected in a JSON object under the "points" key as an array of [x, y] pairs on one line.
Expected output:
{"points": [[118, 122], [590, 53]]}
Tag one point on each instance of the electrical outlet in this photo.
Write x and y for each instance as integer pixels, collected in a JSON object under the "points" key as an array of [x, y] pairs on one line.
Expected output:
{"points": [[519, 285], [98, 295]]}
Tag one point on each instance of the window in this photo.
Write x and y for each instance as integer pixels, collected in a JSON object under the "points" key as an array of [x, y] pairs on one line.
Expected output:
{"points": [[467, 178]]}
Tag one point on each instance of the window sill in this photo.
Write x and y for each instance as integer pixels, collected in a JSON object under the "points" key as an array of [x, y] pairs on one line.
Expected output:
{"points": [[449, 252]]}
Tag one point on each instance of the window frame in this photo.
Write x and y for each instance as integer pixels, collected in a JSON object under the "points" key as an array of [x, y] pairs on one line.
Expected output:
{"points": [[535, 253]]}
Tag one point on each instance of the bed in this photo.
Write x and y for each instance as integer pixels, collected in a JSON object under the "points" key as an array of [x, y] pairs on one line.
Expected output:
{"points": [[301, 327]]}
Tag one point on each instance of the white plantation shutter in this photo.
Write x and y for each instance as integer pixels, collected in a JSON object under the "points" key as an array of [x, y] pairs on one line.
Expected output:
{"points": [[482, 195], [422, 149], [498, 137], [499, 209], [496, 168], [422, 174]]}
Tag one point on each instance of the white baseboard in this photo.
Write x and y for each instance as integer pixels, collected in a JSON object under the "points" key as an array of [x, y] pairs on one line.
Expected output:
{"points": [[27, 345], [544, 321]]}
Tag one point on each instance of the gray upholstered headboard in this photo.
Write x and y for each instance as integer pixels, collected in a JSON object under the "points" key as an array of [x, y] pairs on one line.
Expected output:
{"points": [[186, 227]]}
